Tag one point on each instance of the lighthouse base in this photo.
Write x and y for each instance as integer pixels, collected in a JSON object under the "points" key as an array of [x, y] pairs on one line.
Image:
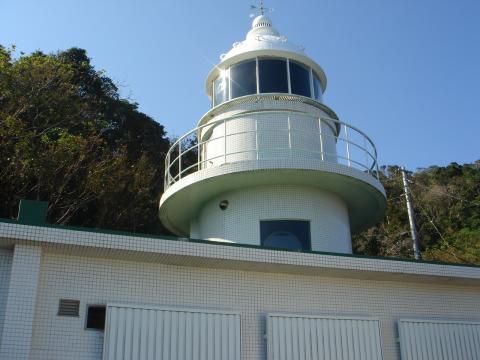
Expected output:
{"points": [[237, 216]]}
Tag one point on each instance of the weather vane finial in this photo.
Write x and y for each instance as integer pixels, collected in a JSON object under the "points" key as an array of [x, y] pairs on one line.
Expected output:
{"points": [[260, 9]]}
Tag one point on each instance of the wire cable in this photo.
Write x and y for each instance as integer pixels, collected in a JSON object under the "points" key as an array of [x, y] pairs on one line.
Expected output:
{"points": [[444, 193], [445, 242]]}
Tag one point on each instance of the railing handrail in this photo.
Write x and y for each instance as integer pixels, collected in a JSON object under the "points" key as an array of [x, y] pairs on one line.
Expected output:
{"points": [[240, 115], [198, 131]]}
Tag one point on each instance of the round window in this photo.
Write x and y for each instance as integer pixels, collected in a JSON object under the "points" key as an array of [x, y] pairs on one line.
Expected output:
{"points": [[283, 239], [285, 234]]}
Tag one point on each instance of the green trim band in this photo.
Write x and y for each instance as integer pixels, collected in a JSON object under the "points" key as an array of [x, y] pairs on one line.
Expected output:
{"points": [[257, 247]]}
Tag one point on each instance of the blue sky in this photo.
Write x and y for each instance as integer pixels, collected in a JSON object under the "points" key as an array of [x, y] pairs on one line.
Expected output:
{"points": [[405, 72]]}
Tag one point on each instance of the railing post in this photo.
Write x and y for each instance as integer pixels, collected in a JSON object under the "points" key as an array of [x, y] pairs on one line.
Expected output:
{"points": [[321, 137], [167, 168], [179, 159], [225, 141], [366, 152], [289, 137], [198, 153], [165, 172], [347, 143], [256, 139]]}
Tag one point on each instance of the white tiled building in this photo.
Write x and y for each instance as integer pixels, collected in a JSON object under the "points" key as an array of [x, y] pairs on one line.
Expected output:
{"points": [[278, 185]]}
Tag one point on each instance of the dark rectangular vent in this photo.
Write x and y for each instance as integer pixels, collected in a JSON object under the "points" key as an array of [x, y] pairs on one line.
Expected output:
{"points": [[96, 317], [69, 307]]}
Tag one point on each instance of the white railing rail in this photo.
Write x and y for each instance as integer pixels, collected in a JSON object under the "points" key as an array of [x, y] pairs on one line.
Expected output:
{"points": [[186, 155]]}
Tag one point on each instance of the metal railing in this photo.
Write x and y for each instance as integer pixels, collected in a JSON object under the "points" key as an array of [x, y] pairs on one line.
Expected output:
{"points": [[189, 153]]}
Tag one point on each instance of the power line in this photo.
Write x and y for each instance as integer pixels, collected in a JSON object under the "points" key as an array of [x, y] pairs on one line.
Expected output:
{"points": [[445, 242], [438, 191]]}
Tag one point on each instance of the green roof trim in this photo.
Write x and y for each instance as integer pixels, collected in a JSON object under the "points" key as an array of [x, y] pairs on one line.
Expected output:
{"points": [[201, 241]]}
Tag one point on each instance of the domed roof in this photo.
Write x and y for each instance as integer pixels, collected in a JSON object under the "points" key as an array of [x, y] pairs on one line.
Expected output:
{"points": [[263, 36], [260, 21]]}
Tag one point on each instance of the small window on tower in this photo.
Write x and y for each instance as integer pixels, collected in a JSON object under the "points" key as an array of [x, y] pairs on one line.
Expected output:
{"points": [[285, 234], [96, 317]]}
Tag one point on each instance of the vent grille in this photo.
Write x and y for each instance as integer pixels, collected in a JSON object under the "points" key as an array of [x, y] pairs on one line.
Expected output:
{"points": [[69, 307], [263, 24]]}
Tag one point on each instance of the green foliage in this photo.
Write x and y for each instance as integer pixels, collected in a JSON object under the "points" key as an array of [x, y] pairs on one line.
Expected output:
{"points": [[67, 137], [447, 207]]}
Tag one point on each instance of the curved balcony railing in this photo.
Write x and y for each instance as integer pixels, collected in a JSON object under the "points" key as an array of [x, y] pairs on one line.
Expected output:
{"points": [[338, 142]]}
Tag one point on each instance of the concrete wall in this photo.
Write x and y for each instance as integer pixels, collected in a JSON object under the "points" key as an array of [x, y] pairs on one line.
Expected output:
{"points": [[254, 294], [271, 135], [5, 269], [21, 301], [240, 222]]}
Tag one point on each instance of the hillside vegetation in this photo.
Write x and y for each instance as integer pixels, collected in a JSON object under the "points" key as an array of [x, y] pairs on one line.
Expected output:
{"points": [[447, 211], [67, 137]]}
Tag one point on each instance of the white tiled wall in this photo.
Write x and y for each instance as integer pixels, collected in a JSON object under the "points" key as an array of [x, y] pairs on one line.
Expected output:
{"points": [[5, 267], [254, 294], [21, 300], [240, 222], [269, 135], [213, 254]]}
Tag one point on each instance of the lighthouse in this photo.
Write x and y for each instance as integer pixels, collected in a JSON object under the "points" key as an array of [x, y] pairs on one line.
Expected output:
{"points": [[270, 164]]}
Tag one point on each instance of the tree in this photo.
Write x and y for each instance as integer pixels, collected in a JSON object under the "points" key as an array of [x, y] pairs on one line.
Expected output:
{"points": [[67, 137], [447, 207]]}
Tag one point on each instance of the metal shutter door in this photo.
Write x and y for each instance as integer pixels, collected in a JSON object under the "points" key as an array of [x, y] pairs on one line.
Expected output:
{"points": [[298, 337], [439, 340], [144, 333]]}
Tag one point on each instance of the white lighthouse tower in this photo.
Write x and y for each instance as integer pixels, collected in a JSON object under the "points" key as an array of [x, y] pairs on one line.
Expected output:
{"points": [[270, 164]]}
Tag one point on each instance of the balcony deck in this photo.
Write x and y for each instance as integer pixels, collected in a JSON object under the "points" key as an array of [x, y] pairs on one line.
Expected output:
{"points": [[247, 137], [247, 149]]}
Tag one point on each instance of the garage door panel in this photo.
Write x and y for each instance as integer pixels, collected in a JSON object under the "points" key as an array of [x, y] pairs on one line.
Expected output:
{"points": [[144, 333], [437, 339], [302, 337]]}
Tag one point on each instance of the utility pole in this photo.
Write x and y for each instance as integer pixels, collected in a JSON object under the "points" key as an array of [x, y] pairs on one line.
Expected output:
{"points": [[411, 216]]}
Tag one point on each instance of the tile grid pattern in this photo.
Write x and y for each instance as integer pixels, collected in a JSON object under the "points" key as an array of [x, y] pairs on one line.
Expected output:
{"points": [[240, 222], [252, 294], [95, 280], [20, 306], [5, 267], [149, 247]]}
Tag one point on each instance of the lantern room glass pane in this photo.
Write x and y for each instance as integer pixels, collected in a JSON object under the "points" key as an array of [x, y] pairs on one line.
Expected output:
{"points": [[272, 75], [317, 88], [243, 78], [220, 90], [300, 79], [285, 234]]}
